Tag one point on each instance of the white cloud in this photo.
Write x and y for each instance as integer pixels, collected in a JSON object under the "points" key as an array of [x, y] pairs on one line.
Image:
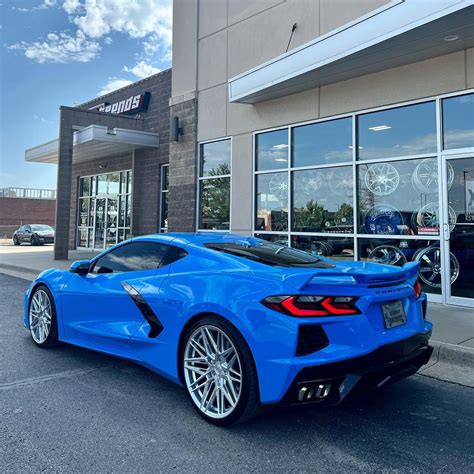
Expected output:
{"points": [[142, 70], [149, 21], [113, 85], [60, 48], [42, 6]]}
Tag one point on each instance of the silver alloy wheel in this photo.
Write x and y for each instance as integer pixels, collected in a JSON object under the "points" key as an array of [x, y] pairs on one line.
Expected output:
{"points": [[212, 371], [382, 179], [39, 316]]}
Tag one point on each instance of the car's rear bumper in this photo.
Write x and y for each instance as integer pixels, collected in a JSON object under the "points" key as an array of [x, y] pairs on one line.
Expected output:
{"points": [[329, 384]]}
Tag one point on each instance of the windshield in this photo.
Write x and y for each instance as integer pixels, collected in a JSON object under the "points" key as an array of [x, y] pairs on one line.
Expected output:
{"points": [[272, 254], [41, 227]]}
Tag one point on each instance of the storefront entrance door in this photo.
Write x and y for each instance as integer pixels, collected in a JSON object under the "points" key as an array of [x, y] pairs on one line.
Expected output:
{"points": [[458, 231]]}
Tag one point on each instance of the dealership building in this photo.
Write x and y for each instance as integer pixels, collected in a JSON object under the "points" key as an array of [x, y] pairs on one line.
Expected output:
{"points": [[339, 127]]}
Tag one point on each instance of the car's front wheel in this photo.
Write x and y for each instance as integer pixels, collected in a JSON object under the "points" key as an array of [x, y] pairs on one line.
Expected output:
{"points": [[42, 318], [219, 372]]}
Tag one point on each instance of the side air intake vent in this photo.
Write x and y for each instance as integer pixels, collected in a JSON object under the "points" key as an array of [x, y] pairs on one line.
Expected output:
{"points": [[311, 338]]}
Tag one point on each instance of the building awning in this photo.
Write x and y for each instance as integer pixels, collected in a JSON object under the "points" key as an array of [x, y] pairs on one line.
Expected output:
{"points": [[94, 142], [401, 32]]}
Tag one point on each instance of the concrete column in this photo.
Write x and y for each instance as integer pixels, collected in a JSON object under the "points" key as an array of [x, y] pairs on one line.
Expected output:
{"points": [[63, 197]]}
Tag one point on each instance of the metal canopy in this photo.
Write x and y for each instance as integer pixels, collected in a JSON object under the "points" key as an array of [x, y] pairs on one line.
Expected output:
{"points": [[94, 142], [401, 32]]}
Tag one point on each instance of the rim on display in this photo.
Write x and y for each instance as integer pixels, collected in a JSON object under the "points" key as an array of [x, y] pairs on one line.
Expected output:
{"points": [[39, 316], [278, 186], [383, 219], [311, 181], [428, 216], [212, 371], [387, 255], [382, 179], [340, 181], [430, 265], [425, 177]]}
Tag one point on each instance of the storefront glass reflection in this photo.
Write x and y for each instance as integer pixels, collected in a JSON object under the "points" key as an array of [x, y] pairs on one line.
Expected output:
{"points": [[272, 202], [458, 122]]}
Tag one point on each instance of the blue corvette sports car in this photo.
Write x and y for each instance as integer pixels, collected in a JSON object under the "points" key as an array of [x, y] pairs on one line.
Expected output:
{"points": [[240, 322]]}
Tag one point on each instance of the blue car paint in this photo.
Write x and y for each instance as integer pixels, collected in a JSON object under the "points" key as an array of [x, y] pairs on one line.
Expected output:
{"points": [[95, 312]]}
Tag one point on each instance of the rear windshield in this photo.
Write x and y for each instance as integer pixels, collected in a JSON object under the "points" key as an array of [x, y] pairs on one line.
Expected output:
{"points": [[41, 227], [272, 254]]}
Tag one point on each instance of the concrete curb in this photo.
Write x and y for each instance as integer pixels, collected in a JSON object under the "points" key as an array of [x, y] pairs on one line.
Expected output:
{"points": [[18, 271], [451, 363]]}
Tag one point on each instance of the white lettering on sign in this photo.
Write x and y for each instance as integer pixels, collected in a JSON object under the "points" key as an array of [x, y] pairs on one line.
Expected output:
{"points": [[134, 104]]}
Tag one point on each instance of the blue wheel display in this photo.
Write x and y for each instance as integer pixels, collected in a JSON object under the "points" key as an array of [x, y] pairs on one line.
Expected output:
{"points": [[383, 219]]}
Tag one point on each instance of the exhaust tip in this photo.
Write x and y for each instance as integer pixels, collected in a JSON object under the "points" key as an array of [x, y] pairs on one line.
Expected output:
{"points": [[313, 392]]}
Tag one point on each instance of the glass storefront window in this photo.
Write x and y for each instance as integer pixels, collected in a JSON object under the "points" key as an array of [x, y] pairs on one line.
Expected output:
{"points": [[322, 143], [214, 185], [271, 150], [458, 122], [402, 131], [322, 200], [214, 204], [333, 247], [399, 198], [104, 220], [272, 201], [102, 184], [113, 180], [215, 158], [276, 238]]}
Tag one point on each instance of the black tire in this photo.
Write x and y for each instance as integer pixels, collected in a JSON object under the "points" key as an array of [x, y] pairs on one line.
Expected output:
{"points": [[248, 405], [15, 240], [34, 240], [52, 338]]}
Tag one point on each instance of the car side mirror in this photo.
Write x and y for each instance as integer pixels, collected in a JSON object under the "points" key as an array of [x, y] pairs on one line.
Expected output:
{"points": [[81, 267]]}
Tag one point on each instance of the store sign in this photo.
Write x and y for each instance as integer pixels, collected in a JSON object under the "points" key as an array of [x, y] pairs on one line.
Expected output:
{"points": [[133, 105]]}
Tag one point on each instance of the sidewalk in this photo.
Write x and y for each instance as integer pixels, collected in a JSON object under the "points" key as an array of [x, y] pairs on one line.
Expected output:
{"points": [[453, 333]]}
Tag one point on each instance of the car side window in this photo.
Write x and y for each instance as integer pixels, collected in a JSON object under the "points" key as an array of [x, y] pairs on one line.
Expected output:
{"points": [[21, 229], [27, 228], [137, 256]]}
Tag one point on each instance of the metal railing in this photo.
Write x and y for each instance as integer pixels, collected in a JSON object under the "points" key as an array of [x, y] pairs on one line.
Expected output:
{"points": [[28, 193]]}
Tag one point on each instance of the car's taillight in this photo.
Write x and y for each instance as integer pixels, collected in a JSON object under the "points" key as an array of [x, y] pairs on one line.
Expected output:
{"points": [[417, 289], [306, 306]]}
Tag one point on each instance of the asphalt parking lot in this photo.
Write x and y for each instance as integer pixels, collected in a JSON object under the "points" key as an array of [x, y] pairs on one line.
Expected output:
{"points": [[71, 410]]}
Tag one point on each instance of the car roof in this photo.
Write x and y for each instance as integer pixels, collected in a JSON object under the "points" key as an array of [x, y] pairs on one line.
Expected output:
{"points": [[199, 238]]}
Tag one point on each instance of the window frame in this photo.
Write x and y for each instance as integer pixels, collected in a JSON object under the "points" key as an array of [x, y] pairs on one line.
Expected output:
{"points": [[354, 163], [163, 191], [201, 178]]}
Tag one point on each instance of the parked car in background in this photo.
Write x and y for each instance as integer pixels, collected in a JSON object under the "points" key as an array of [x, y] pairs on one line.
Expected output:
{"points": [[34, 234]]}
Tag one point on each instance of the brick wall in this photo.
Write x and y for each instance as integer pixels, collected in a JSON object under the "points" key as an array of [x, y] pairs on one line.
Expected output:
{"points": [[145, 163], [18, 211], [182, 193]]}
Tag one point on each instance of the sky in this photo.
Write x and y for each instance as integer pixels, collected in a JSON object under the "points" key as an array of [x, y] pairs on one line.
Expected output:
{"points": [[65, 52]]}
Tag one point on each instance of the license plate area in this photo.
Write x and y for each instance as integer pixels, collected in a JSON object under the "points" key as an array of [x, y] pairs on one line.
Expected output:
{"points": [[394, 314]]}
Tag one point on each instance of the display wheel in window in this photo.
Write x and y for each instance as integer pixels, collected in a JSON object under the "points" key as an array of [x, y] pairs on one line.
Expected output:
{"points": [[430, 265], [278, 186], [387, 255], [426, 220], [311, 181], [341, 181], [382, 179], [425, 177], [383, 219]]}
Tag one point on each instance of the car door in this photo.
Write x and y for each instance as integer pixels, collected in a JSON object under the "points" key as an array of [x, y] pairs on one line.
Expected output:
{"points": [[27, 234], [99, 310]]}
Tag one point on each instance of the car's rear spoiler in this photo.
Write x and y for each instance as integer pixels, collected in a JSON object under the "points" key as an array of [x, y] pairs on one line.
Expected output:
{"points": [[354, 275]]}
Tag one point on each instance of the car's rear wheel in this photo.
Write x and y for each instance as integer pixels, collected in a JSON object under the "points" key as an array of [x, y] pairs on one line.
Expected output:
{"points": [[42, 318], [219, 372]]}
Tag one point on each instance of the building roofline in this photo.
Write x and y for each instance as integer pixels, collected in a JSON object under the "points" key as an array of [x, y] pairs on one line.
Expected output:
{"points": [[124, 88]]}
